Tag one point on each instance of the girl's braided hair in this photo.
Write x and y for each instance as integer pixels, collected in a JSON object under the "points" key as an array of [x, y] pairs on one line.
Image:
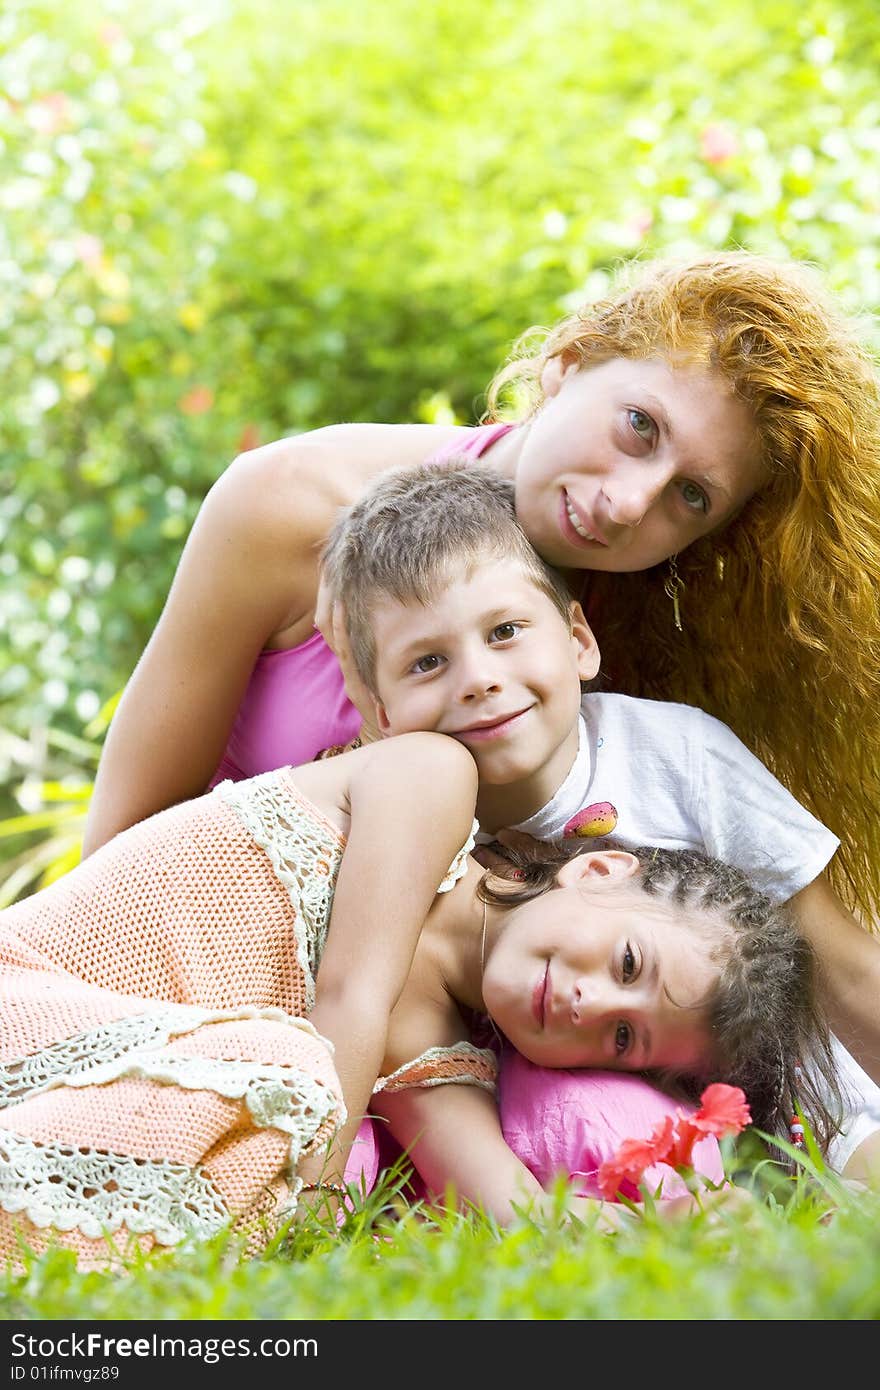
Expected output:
{"points": [[769, 1034]]}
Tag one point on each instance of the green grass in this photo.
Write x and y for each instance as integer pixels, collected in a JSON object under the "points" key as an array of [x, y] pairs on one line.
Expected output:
{"points": [[810, 1252]]}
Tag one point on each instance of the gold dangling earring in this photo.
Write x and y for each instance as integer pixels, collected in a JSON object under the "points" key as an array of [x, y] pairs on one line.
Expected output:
{"points": [[673, 588]]}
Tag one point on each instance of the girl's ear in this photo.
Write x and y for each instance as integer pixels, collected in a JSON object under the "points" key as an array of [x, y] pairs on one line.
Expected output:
{"points": [[383, 723], [588, 657], [597, 864], [554, 373]]}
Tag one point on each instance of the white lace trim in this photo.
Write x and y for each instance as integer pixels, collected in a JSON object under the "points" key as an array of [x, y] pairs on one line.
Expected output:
{"points": [[78, 1060], [300, 852], [458, 868], [277, 1097], [397, 1081], [96, 1193]]}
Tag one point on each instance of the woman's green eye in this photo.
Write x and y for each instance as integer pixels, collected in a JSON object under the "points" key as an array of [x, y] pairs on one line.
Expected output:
{"points": [[641, 424], [695, 497]]}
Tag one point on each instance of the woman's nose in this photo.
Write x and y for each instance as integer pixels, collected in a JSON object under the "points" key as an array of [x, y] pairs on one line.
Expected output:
{"points": [[630, 496]]}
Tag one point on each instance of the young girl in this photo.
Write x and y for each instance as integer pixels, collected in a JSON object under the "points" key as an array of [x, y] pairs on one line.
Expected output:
{"points": [[192, 1014], [719, 412]]}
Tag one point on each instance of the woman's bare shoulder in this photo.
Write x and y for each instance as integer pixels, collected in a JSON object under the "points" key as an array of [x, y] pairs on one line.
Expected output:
{"points": [[270, 512], [336, 461]]}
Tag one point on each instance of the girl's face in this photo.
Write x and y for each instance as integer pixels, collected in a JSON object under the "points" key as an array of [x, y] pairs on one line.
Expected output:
{"points": [[595, 974], [628, 462]]}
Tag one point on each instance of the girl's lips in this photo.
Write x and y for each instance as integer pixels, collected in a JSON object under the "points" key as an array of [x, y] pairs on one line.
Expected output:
{"points": [[539, 997]]}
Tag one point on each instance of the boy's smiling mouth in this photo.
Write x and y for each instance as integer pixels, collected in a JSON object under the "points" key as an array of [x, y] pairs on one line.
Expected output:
{"points": [[484, 729]]}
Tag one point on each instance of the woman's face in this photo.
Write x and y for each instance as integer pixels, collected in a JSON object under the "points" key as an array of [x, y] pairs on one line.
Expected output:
{"points": [[628, 462], [595, 975]]}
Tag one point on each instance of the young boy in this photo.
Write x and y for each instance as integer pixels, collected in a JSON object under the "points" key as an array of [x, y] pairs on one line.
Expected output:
{"points": [[485, 644]]}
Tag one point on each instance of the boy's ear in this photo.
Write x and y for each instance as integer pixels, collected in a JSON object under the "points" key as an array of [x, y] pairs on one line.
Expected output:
{"points": [[588, 648], [597, 864], [383, 723]]}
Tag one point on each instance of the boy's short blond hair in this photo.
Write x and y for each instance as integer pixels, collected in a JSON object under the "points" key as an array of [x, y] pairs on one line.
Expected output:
{"points": [[413, 532]]}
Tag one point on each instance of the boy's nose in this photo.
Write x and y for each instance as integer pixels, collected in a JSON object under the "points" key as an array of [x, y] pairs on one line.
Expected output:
{"points": [[479, 687], [478, 678]]}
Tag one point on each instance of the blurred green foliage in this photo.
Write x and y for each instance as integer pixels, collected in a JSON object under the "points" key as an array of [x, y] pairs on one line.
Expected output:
{"points": [[225, 222]]}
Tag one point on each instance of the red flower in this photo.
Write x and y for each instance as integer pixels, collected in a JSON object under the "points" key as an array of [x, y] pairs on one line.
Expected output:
{"points": [[628, 1164], [682, 1149], [723, 1110]]}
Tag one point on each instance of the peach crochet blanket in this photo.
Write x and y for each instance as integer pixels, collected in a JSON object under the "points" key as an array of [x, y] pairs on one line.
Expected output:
{"points": [[159, 1078]]}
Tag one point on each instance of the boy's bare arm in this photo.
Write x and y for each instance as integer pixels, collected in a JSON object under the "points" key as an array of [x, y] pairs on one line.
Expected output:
{"points": [[849, 958]]}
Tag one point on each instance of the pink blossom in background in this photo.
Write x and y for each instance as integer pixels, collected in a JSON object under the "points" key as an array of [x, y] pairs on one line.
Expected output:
{"points": [[248, 439], [198, 401], [49, 113], [718, 143], [89, 249]]}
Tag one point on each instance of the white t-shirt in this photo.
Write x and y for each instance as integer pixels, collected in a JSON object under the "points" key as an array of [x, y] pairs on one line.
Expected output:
{"points": [[679, 779]]}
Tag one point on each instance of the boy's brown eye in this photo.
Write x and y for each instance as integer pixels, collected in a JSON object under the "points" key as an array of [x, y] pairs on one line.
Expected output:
{"points": [[425, 664], [505, 631]]}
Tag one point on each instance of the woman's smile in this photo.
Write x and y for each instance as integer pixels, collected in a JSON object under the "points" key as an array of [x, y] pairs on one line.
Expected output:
{"points": [[575, 519]]}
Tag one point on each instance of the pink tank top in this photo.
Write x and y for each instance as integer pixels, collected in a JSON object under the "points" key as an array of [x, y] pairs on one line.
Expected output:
{"points": [[295, 704]]}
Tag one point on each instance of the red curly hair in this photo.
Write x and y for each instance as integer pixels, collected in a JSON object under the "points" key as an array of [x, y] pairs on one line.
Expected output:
{"points": [[781, 609]]}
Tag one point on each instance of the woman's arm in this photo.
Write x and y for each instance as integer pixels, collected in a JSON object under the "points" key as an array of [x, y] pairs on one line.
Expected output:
{"points": [[412, 805], [849, 979], [247, 580], [246, 573]]}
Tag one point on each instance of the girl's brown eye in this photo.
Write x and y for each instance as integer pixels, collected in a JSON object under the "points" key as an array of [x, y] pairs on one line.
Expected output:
{"points": [[622, 1039], [629, 964]]}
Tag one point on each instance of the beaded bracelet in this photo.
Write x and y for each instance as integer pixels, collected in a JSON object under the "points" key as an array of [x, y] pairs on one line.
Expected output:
{"points": [[325, 1187]]}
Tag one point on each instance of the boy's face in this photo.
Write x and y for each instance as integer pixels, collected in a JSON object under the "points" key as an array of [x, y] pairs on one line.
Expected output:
{"points": [[492, 663], [590, 975]]}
